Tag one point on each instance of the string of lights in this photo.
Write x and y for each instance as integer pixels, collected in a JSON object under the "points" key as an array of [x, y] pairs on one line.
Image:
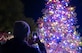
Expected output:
{"points": [[57, 28]]}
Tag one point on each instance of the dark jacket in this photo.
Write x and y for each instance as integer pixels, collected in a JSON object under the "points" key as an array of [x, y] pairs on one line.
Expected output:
{"points": [[17, 46], [42, 47]]}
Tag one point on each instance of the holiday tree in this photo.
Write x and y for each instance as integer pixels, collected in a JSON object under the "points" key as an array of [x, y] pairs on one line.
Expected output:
{"points": [[57, 28]]}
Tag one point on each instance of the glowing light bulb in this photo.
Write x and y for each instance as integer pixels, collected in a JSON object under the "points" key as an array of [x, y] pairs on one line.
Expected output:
{"points": [[42, 40], [51, 12], [57, 37], [50, 0], [80, 43], [52, 24], [60, 5], [75, 33], [69, 15], [71, 8], [63, 12], [66, 4], [63, 19]]}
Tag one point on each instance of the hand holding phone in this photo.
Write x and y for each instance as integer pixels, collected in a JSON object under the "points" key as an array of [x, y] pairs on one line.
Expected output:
{"points": [[35, 35]]}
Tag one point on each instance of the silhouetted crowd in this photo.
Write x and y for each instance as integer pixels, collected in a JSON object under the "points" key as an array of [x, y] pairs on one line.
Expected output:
{"points": [[21, 42]]}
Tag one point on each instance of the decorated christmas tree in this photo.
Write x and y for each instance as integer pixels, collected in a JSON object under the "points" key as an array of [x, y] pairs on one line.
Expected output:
{"points": [[57, 28]]}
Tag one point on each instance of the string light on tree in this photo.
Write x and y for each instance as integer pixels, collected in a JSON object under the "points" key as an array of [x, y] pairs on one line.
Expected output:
{"points": [[56, 28]]}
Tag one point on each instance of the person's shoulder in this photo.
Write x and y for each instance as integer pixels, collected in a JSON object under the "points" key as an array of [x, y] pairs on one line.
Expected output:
{"points": [[5, 45]]}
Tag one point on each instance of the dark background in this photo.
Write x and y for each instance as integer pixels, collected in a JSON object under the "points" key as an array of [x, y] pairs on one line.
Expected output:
{"points": [[33, 8]]}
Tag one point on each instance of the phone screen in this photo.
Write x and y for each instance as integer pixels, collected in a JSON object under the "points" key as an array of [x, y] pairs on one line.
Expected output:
{"points": [[34, 35]]}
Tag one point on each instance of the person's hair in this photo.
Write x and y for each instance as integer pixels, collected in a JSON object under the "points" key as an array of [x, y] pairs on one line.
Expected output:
{"points": [[21, 29]]}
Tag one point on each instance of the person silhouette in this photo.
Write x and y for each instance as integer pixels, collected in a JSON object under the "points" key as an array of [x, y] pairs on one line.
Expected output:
{"points": [[18, 44], [36, 43]]}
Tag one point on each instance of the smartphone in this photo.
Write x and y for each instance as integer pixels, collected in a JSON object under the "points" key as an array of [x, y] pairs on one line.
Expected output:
{"points": [[35, 35]]}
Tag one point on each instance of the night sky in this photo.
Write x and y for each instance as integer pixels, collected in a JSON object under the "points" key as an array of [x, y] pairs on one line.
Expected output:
{"points": [[33, 8]]}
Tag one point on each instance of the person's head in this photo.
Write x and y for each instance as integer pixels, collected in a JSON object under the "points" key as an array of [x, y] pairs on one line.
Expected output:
{"points": [[21, 30]]}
